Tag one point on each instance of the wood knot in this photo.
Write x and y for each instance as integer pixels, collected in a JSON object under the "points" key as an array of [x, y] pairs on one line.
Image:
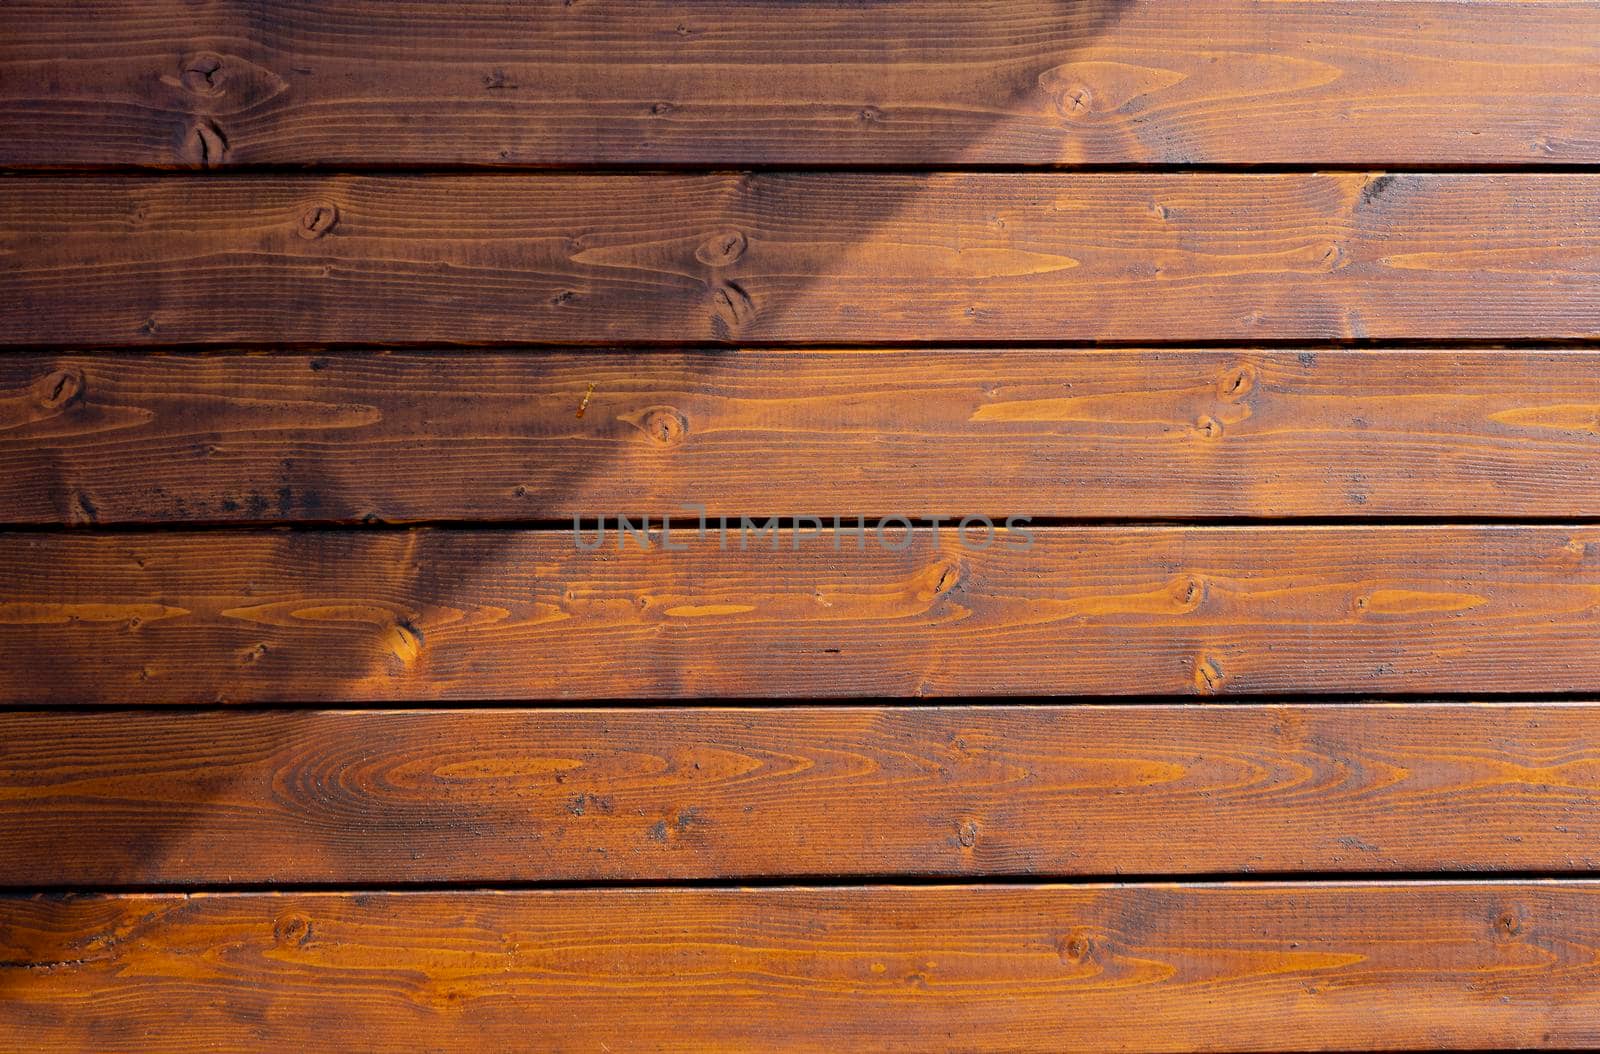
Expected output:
{"points": [[731, 308], [1188, 593], [84, 509], [1507, 924], [939, 580], [722, 249], [1083, 90], [59, 389], [967, 834], [292, 929], [662, 425], [204, 144], [1237, 383], [1207, 675], [202, 73], [1075, 100], [405, 641], [206, 77], [318, 219], [1075, 947], [1208, 426]]}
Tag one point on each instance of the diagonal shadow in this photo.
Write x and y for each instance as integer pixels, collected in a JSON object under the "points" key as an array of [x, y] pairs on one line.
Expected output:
{"points": [[621, 425]]}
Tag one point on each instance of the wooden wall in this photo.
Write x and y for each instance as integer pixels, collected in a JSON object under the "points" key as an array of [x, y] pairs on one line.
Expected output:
{"points": [[1269, 725]]}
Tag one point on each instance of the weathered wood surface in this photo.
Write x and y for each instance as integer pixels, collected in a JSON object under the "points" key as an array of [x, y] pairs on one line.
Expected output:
{"points": [[640, 339], [705, 82], [812, 258], [141, 438], [1228, 967], [271, 616], [119, 798]]}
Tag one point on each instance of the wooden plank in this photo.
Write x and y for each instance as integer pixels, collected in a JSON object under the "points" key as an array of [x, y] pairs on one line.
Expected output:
{"points": [[1139, 967], [138, 438], [366, 82], [811, 257], [273, 616], [119, 798]]}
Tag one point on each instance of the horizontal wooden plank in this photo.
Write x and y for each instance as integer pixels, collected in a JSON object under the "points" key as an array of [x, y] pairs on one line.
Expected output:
{"points": [[506, 614], [1138, 967], [142, 438], [365, 82], [812, 258], [118, 798]]}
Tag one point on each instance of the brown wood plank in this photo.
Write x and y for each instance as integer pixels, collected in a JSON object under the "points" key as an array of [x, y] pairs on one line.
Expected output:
{"points": [[811, 257], [118, 798], [505, 614], [120, 438], [370, 82], [1138, 967]]}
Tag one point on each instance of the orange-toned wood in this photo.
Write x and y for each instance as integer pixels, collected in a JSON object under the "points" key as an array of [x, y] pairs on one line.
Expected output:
{"points": [[811, 258], [119, 438], [706, 82], [460, 614], [556, 307], [1230, 967], [366, 798]]}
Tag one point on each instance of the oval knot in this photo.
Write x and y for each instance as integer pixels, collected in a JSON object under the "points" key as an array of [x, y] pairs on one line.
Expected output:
{"points": [[722, 249], [318, 219]]}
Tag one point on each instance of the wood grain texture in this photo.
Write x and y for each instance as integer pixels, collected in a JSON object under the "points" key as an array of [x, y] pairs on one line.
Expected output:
{"points": [[271, 616], [1227, 967], [813, 258], [369, 82], [137, 438], [126, 798]]}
